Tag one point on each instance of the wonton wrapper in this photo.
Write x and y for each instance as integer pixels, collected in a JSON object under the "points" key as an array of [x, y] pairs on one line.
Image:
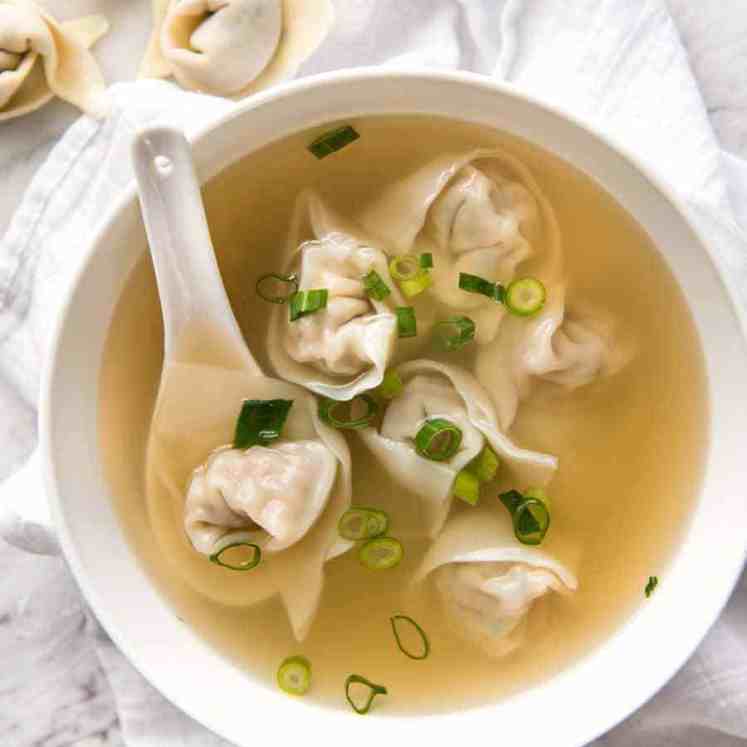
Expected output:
{"points": [[40, 58], [198, 412], [343, 350], [570, 347], [436, 390], [233, 47], [480, 212], [488, 581]]}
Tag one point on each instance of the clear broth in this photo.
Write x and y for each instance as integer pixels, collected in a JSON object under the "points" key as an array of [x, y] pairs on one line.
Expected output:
{"points": [[631, 447]]}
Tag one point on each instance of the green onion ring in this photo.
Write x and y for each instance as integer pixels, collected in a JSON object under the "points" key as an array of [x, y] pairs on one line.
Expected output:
{"points": [[260, 422], [393, 620], [303, 303], [438, 440], [375, 287], [328, 408], [407, 323], [294, 675], [426, 261], [391, 385], [530, 516], [381, 553], [405, 267], [332, 141], [374, 690], [291, 280], [246, 565], [372, 523], [454, 333]]}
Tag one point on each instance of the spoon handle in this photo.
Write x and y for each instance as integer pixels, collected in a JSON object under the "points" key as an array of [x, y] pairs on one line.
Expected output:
{"points": [[200, 326]]}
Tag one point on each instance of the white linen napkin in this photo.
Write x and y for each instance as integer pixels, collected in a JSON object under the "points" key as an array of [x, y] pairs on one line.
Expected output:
{"points": [[617, 63]]}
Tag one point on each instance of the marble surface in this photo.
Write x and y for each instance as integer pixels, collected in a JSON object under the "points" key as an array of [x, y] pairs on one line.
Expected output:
{"points": [[75, 706]]}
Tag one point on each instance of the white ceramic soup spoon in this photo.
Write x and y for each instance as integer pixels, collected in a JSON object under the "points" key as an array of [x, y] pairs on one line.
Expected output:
{"points": [[208, 374], [199, 325]]}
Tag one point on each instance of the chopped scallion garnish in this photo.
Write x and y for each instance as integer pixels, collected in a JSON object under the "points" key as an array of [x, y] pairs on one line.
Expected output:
{"points": [[294, 675], [653, 582], [438, 440], [381, 553], [476, 284], [373, 691], [485, 466], [525, 297], [530, 516], [407, 325], [231, 557], [362, 523], [426, 261], [414, 287], [409, 273], [354, 414], [391, 385], [426, 647], [467, 487], [332, 141], [405, 267], [303, 303], [260, 422], [276, 288], [375, 287], [454, 333]]}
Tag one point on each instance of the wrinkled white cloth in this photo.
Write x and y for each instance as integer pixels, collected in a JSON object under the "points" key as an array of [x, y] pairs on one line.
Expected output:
{"points": [[617, 63]]}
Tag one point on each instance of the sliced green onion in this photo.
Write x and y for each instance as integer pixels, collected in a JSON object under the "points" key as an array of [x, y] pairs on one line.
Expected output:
{"points": [[375, 287], [485, 466], [223, 557], [413, 287], [454, 333], [405, 267], [530, 517], [426, 261], [539, 494], [381, 553], [332, 141], [391, 385], [438, 440], [393, 620], [467, 487], [362, 523], [525, 297], [303, 303], [476, 284], [294, 675], [653, 582], [373, 691], [407, 324], [267, 282], [260, 422], [354, 414]]}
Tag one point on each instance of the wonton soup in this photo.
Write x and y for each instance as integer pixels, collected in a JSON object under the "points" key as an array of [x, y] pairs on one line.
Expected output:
{"points": [[519, 450]]}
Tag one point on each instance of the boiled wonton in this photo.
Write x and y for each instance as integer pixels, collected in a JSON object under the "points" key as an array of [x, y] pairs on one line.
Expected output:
{"points": [[233, 47], [41, 58], [435, 390], [487, 581], [286, 497], [570, 347], [345, 348], [480, 213]]}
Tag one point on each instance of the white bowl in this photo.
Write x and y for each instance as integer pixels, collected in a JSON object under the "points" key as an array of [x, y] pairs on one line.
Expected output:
{"points": [[566, 711]]}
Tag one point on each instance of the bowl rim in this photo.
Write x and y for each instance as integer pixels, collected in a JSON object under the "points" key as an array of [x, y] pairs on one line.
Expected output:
{"points": [[285, 90]]}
